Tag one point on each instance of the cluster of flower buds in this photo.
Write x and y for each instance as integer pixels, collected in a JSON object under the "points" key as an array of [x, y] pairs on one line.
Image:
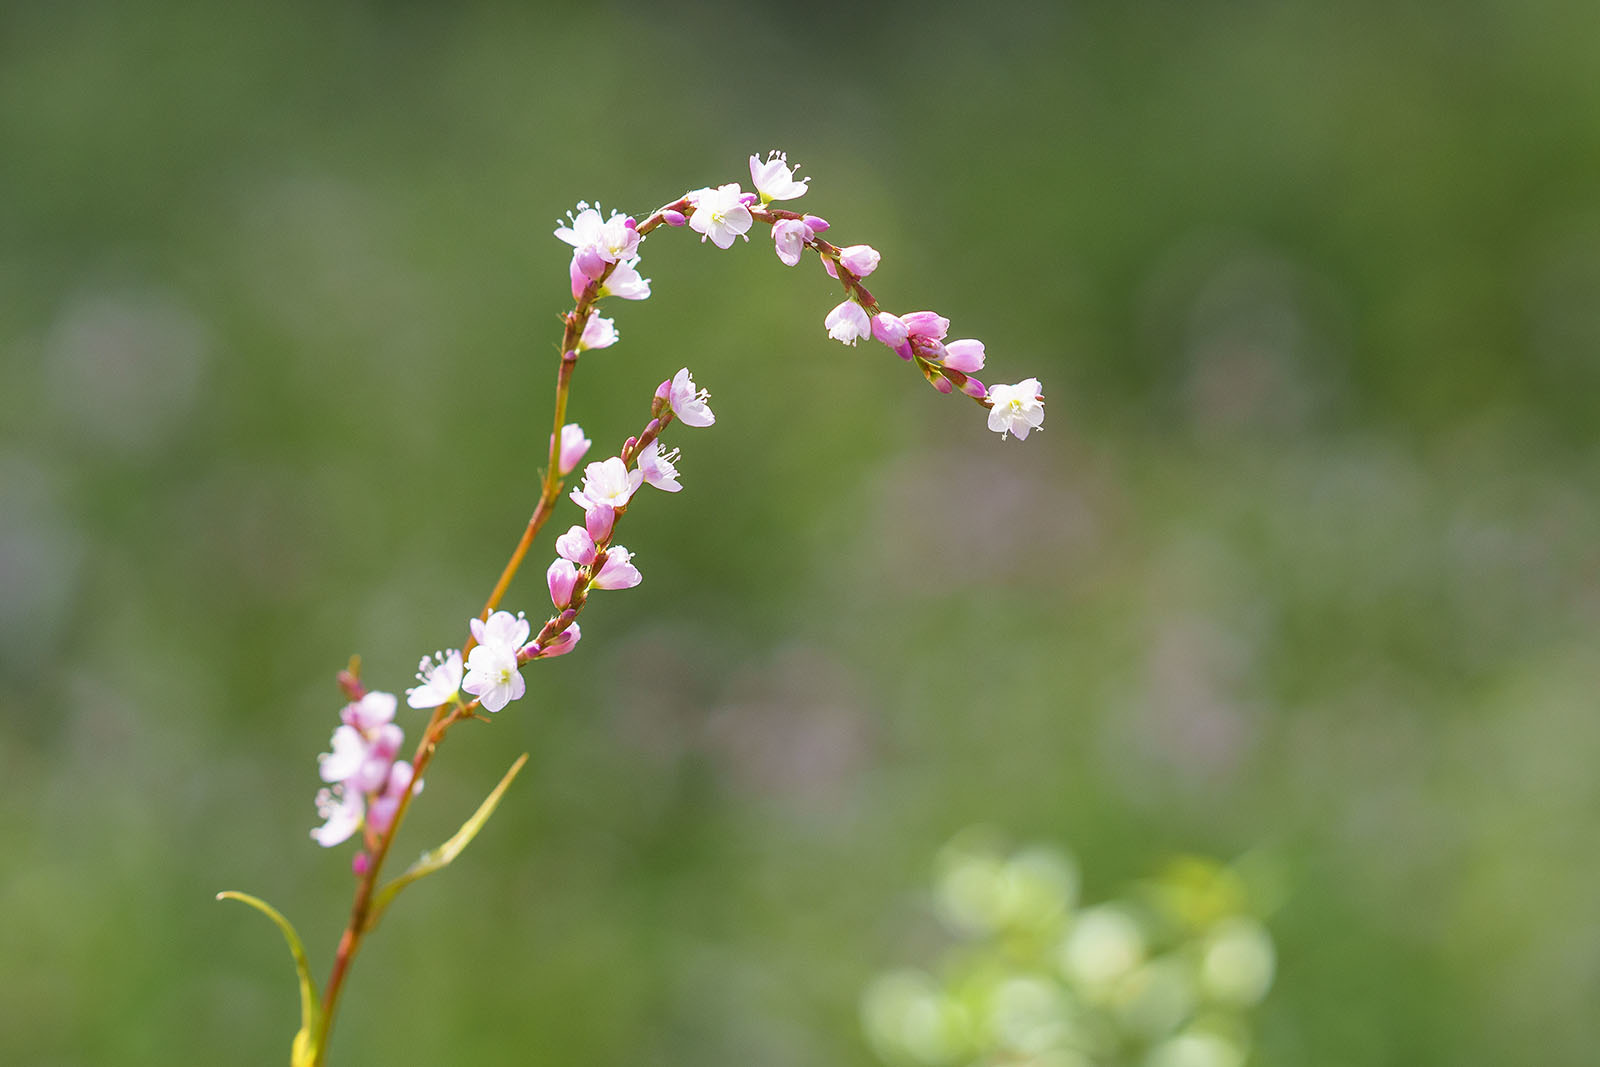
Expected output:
{"points": [[365, 781]]}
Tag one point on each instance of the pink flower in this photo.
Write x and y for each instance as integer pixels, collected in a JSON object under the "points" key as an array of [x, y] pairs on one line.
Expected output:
{"points": [[688, 403], [440, 678], [562, 577], [791, 236], [720, 214], [774, 179], [364, 747], [617, 572], [598, 332], [1016, 409], [573, 447], [371, 711], [848, 323], [659, 468], [925, 333], [576, 545], [607, 484]]}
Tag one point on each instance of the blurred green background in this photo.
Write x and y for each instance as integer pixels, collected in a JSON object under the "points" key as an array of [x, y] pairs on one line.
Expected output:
{"points": [[1307, 558]]}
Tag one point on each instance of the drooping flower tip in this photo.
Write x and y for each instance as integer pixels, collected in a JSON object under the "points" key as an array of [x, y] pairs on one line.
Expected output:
{"points": [[574, 445], [848, 323], [774, 179], [689, 403], [1016, 409]]}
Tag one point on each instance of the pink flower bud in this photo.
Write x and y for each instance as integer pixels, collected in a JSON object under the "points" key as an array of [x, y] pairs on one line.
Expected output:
{"points": [[561, 643], [974, 388], [926, 325], [562, 577], [748, 198], [576, 545], [573, 447], [631, 223], [674, 218], [664, 390], [598, 522], [889, 329], [818, 225], [360, 863], [589, 261], [381, 813], [964, 355], [943, 384], [860, 260], [580, 282]]}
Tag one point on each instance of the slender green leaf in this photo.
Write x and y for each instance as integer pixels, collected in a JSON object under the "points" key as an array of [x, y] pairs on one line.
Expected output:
{"points": [[441, 857], [304, 1049]]}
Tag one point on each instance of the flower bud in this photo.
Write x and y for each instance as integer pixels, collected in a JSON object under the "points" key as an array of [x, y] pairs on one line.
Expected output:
{"points": [[598, 522], [974, 388], [562, 577], [573, 447], [860, 260], [816, 224], [674, 218], [964, 355]]}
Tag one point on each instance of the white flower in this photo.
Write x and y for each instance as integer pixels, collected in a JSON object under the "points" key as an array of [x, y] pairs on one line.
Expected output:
{"points": [[624, 281], [343, 809], [598, 332], [607, 484], [1017, 408], [617, 572], [492, 674], [774, 179], [612, 238], [349, 752], [719, 214], [848, 323], [440, 678], [688, 403], [659, 468]]}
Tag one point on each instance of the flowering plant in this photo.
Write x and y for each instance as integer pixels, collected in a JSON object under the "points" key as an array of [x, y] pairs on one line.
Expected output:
{"points": [[367, 787]]}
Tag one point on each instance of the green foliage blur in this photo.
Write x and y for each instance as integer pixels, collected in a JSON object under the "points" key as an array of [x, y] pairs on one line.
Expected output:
{"points": [[1304, 561]]}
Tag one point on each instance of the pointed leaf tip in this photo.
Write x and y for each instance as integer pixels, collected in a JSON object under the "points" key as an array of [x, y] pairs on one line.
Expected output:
{"points": [[442, 856], [304, 1050]]}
